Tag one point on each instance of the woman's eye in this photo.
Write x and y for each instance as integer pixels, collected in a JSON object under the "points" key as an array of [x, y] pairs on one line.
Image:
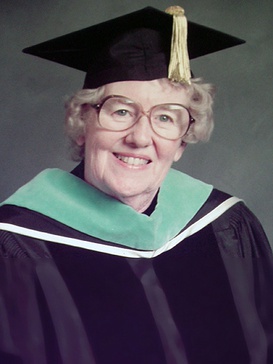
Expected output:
{"points": [[121, 112], [164, 118]]}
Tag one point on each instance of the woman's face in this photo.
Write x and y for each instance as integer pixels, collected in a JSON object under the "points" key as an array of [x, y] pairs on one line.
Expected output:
{"points": [[130, 165]]}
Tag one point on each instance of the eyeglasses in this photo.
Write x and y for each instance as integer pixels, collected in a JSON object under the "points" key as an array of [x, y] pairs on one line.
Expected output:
{"points": [[118, 113]]}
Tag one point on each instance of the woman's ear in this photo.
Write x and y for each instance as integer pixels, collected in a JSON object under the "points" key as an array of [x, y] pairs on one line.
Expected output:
{"points": [[80, 140]]}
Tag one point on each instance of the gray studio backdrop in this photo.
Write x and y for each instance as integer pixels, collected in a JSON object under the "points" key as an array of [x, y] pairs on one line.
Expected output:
{"points": [[238, 159]]}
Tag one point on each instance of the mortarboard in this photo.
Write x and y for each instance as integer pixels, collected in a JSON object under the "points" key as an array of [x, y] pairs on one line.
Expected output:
{"points": [[136, 46]]}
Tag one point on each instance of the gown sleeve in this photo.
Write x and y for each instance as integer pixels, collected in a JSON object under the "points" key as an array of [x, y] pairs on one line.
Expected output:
{"points": [[248, 260], [38, 318]]}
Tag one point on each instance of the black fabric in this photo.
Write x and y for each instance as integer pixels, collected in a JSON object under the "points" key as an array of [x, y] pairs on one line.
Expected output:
{"points": [[135, 46], [207, 301]]}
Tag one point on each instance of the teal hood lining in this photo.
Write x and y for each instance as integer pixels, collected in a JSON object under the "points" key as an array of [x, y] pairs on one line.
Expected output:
{"points": [[71, 201]]}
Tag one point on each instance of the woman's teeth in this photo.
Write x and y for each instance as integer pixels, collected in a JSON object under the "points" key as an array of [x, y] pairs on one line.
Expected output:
{"points": [[132, 161]]}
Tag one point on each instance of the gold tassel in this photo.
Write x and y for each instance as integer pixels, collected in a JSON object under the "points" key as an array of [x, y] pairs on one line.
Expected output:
{"points": [[179, 66]]}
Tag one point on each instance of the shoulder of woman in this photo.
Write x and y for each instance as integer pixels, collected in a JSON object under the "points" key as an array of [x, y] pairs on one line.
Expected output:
{"points": [[238, 231]]}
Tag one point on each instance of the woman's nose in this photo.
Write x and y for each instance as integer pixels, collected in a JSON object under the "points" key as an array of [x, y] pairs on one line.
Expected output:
{"points": [[140, 134]]}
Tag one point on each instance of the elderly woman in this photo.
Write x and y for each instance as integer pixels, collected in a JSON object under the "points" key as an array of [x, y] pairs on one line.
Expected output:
{"points": [[126, 260]]}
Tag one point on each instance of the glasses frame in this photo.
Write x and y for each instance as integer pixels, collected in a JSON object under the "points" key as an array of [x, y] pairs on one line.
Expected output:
{"points": [[99, 106]]}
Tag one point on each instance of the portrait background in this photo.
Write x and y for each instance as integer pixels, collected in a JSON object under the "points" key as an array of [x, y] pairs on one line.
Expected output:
{"points": [[239, 157]]}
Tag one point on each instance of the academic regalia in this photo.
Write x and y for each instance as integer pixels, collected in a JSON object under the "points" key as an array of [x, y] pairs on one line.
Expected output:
{"points": [[86, 279], [70, 297]]}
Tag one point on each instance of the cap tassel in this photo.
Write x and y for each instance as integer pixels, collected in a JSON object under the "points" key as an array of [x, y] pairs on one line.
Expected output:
{"points": [[179, 66]]}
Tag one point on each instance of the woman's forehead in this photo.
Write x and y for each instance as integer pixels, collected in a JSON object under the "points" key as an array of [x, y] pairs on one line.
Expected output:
{"points": [[149, 92]]}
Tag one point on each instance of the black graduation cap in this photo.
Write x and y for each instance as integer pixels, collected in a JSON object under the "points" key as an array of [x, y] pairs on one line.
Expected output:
{"points": [[135, 46]]}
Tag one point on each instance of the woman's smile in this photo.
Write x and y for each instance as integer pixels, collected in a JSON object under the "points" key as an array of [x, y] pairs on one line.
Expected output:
{"points": [[132, 160]]}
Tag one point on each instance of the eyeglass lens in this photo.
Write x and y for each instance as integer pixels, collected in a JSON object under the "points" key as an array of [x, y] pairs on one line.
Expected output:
{"points": [[167, 120]]}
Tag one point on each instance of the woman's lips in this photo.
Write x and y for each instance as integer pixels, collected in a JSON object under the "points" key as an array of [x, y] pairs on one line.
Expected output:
{"points": [[133, 161]]}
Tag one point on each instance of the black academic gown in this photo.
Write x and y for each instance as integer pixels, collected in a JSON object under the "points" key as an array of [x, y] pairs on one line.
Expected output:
{"points": [[208, 300]]}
